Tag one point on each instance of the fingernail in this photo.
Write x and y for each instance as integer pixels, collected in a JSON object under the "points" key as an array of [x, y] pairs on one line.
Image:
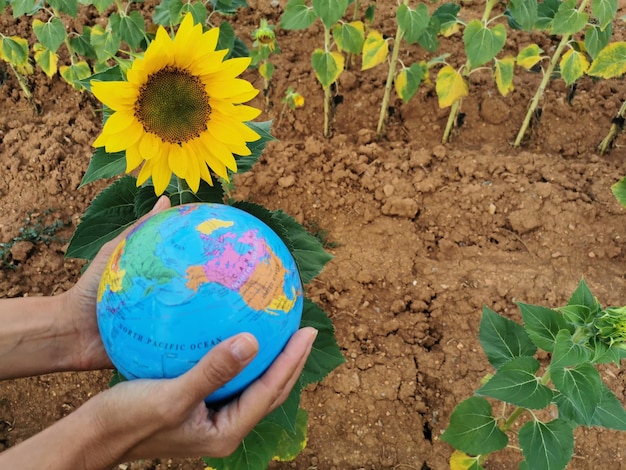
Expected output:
{"points": [[244, 347]]}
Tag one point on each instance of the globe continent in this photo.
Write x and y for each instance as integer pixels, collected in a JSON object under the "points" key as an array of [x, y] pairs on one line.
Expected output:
{"points": [[188, 278]]}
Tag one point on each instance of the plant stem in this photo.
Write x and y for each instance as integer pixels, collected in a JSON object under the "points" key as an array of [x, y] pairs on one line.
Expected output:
{"points": [[616, 127], [456, 106], [389, 84], [454, 110], [327, 91], [544, 82], [22, 82]]}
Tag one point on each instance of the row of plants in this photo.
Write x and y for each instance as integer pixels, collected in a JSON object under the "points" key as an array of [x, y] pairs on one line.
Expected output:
{"points": [[583, 30]]}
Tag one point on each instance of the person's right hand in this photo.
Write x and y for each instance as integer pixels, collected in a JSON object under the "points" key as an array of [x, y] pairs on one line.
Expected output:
{"points": [[168, 418]]}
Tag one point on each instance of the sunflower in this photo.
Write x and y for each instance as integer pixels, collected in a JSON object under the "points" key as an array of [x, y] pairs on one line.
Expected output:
{"points": [[180, 109]]}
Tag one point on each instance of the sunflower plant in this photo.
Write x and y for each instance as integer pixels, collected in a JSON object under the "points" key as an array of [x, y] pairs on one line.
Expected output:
{"points": [[543, 401], [176, 123]]}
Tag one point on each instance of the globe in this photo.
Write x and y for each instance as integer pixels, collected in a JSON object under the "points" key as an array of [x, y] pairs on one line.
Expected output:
{"points": [[190, 277]]}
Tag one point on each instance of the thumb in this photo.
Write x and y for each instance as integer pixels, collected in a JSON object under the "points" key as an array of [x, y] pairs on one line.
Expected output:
{"points": [[218, 366]]}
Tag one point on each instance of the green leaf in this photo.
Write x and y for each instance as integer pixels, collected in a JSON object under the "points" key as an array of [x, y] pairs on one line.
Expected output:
{"points": [[286, 414], [297, 15], [543, 324], [503, 339], [473, 429], [81, 45], [578, 315], [547, 446], [330, 11], [450, 86], [580, 391], [529, 56], [266, 70], [524, 12], [546, 12], [102, 5], [291, 444], [104, 43], [619, 188], [69, 7], [50, 34], [481, 43], [227, 7], [567, 353], [14, 50], [107, 216], [446, 16], [3, 5], [116, 378], [375, 50], [370, 11], [568, 20], [610, 63], [110, 74], [104, 165], [181, 194], [308, 251], [603, 353], [349, 36], [408, 81], [75, 73], [428, 40], [515, 382], [412, 23], [573, 65], [583, 296], [503, 74], [25, 7], [198, 11], [327, 66], [325, 354], [255, 451], [257, 147], [597, 39], [609, 413], [604, 11], [130, 28], [226, 38]]}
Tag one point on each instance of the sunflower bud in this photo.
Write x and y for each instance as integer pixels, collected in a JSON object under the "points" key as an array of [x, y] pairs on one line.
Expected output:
{"points": [[611, 326], [293, 99], [264, 36]]}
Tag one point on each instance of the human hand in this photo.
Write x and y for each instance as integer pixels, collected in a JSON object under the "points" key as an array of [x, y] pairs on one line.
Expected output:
{"points": [[80, 303], [168, 417]]}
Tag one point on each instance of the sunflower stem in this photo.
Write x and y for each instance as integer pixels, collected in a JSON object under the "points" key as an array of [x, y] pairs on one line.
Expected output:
{"points": [[616, 127], [327, 90]]}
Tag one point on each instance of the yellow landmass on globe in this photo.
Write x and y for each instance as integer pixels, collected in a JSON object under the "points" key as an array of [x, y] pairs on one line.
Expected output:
{"points": [[282, 303], [113, 275], [265, 286], [210, 225]]}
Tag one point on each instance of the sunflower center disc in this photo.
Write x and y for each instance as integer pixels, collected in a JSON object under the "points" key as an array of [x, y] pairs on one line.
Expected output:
{"points": [[174, 105]]}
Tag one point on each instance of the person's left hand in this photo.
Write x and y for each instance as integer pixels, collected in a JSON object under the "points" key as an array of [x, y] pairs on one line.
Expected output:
{"points": [[80, 303]]}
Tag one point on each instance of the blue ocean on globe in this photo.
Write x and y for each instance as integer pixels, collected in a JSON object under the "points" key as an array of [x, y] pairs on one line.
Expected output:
{"points": [[190, 277]]}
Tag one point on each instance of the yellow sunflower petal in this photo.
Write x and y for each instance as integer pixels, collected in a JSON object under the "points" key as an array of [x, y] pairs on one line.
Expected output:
{"points": [[161, 174], [240, 149], [214, 163], [210, 38], [219, 151], [116, 95], [178, 160], [118, 122], [121, 140], [207, 64], [188, 42], [240, 112], [145, 172], [133, 158], [193, 173], [159, 54], [100, 141], [227, 89], [230, 129], [232, 68], [150, 146], [205, 174]]}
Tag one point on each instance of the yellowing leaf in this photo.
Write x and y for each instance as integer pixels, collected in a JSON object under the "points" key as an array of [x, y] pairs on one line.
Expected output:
{"points": [[327, 66], [529, 56], [610, 61], [74, 73], [46, 59], [573, 65], [375, 50], [461, 461], [266, 69], [450, 86], [451, 29], [14, 50], [503, 74]]}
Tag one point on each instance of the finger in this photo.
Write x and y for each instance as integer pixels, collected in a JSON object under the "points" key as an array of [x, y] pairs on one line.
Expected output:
{"points": [[271, 389], [217, 367]]}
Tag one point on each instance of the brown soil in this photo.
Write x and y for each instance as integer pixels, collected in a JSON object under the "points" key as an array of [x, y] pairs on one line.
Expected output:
{"points": [[423, 235]]}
